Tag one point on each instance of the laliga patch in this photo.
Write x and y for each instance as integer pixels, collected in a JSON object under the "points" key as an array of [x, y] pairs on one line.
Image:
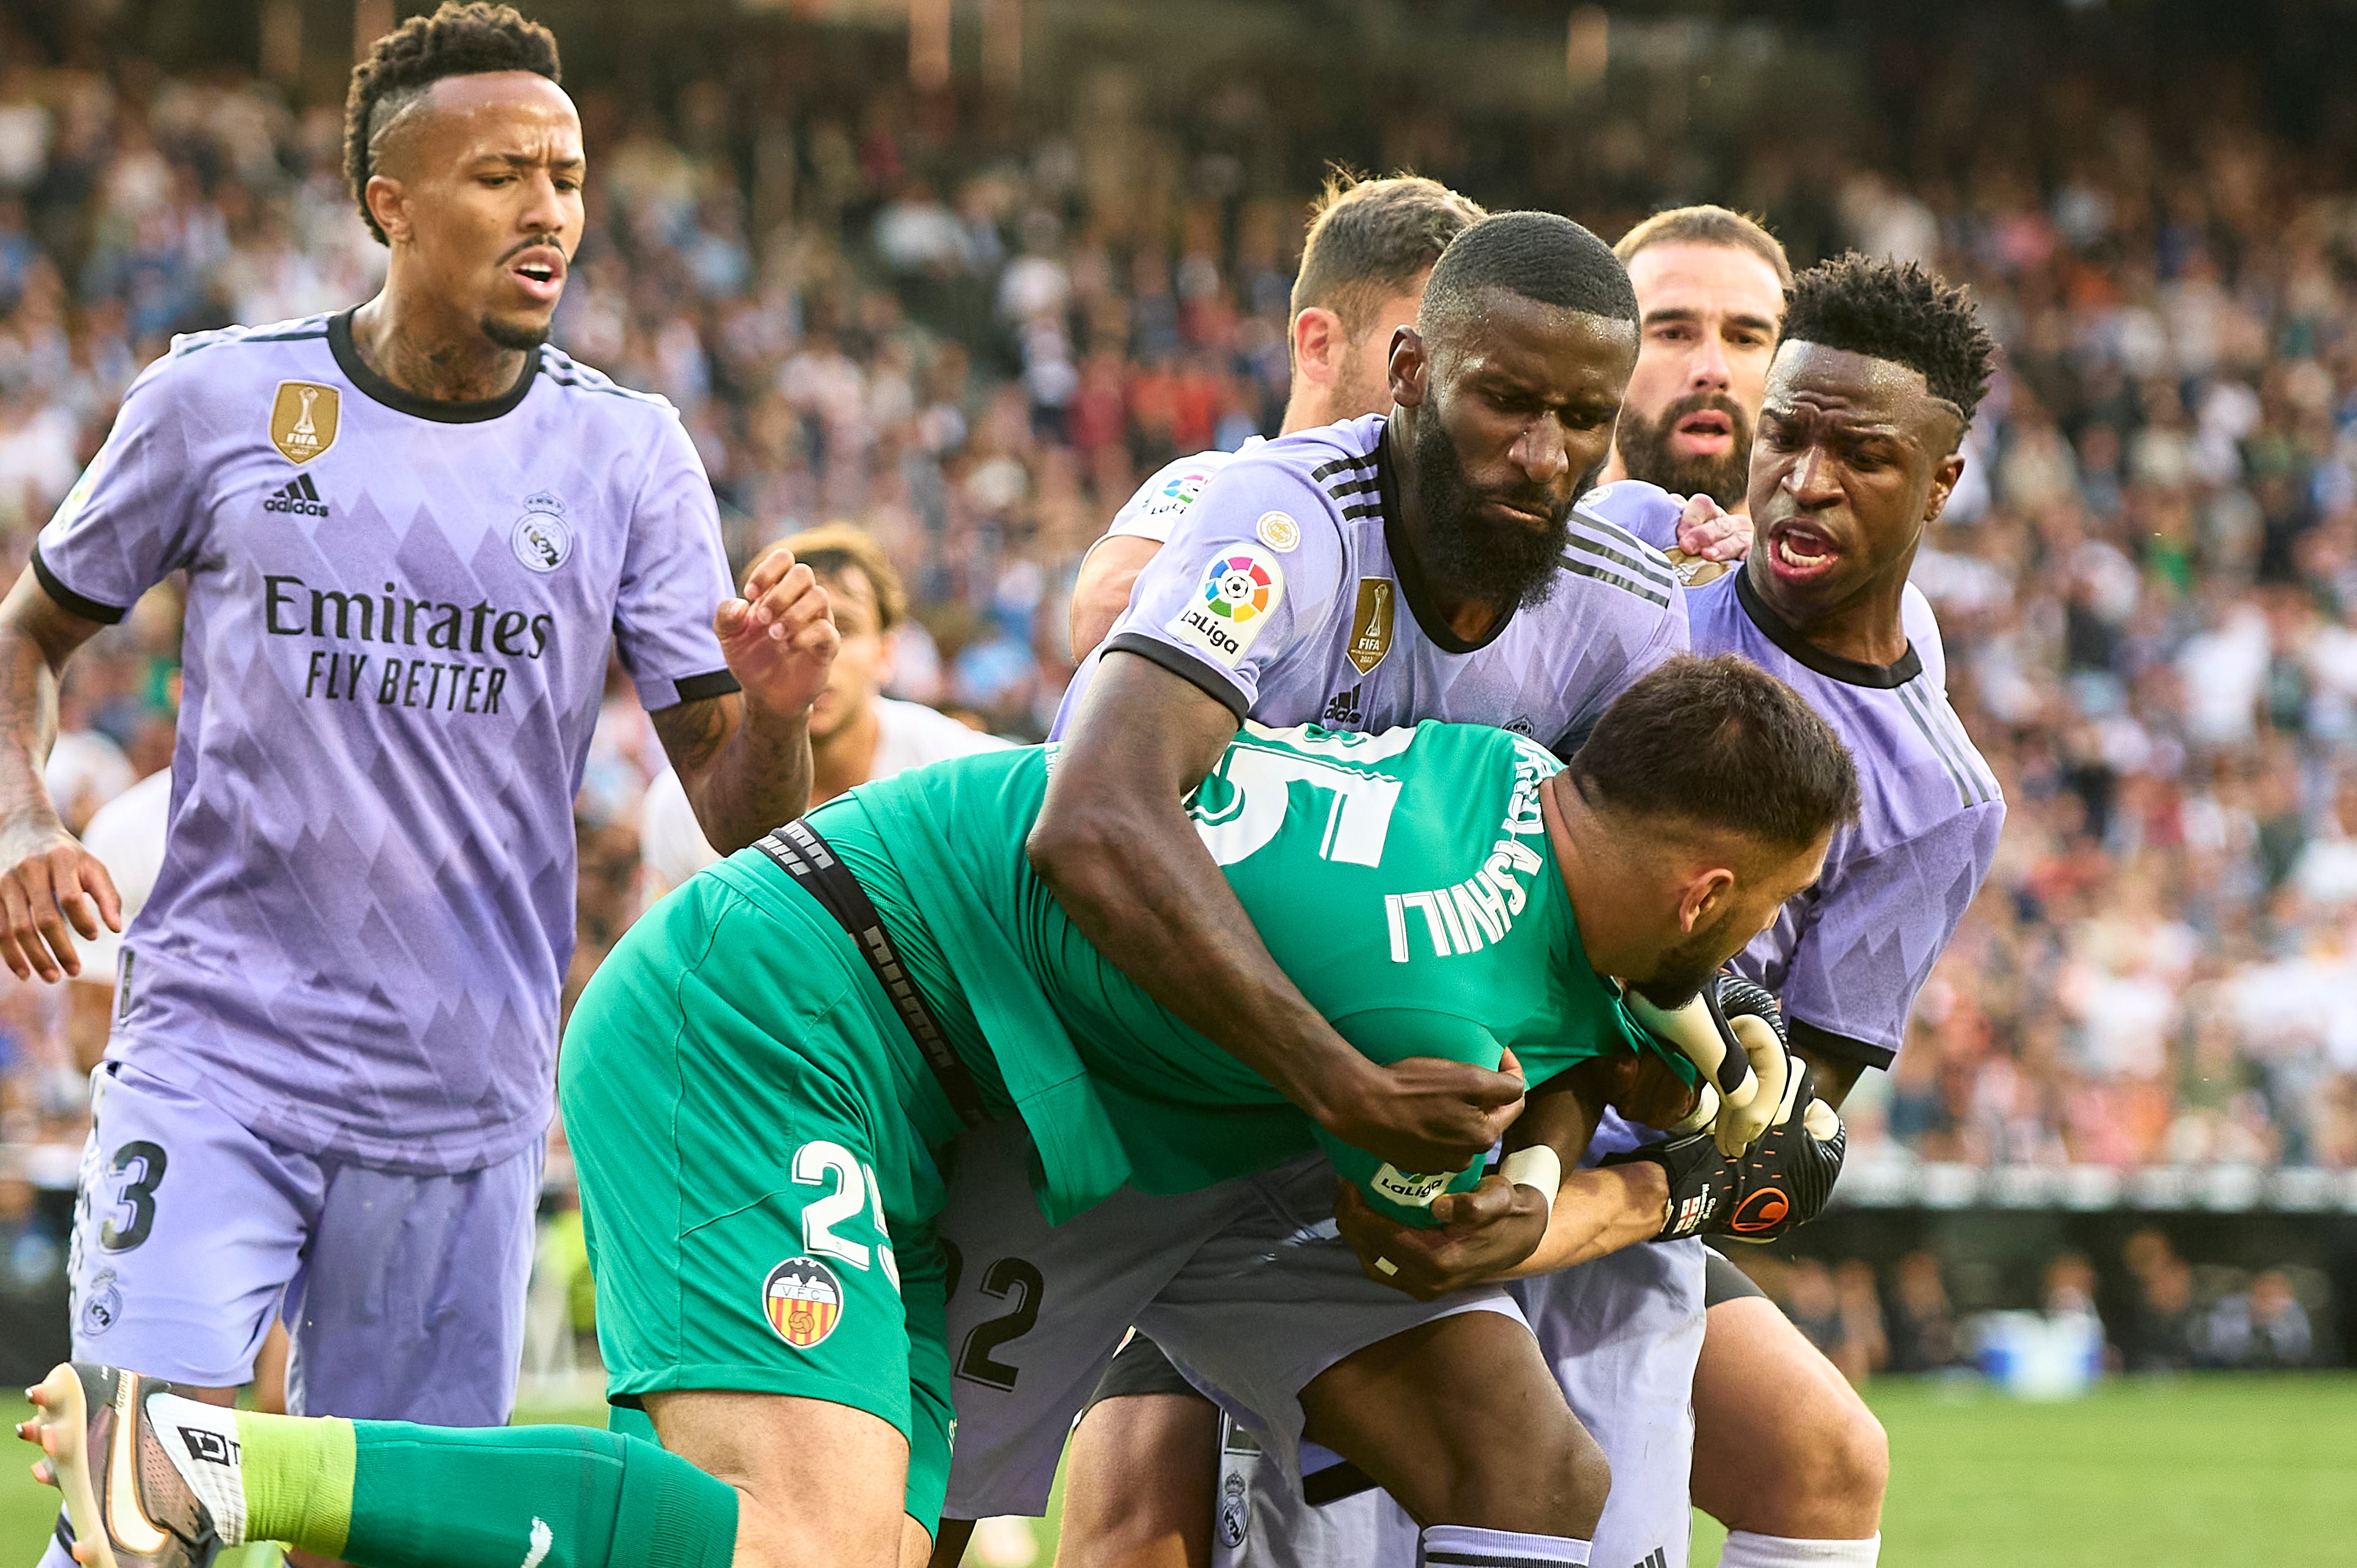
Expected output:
{"points": [[1241, 590], [1178, 495], [803, 1301], [303, 419], [1409, 1191], [1278, 530]]}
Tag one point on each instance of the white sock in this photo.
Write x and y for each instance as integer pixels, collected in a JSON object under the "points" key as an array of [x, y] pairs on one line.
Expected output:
{"points": [[201, 1441], [1745, 1549], [1462, 1546]]}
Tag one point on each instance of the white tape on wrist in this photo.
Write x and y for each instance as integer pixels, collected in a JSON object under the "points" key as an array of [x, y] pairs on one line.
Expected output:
{"points": [[1538, 1167]]}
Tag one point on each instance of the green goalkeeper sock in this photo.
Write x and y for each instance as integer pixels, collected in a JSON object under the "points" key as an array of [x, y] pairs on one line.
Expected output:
{"points": [[386, 1494]]}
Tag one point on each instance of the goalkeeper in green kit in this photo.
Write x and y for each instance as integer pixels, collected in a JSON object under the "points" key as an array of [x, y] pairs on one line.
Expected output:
{"points": [[757, 1081]]}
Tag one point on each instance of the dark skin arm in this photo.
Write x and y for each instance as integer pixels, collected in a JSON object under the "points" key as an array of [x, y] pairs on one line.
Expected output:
{"points": [[1485, 1233], [1114, 844], [1836, 1076], [49, 882], [744, 759]]}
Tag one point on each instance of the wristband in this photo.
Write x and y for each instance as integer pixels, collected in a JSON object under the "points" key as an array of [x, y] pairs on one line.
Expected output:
{"points": [[1538, 1167]]}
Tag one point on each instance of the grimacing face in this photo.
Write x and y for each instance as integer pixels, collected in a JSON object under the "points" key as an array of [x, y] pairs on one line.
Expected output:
{"points": [[1691, 958], [478, 186], [1855, 457], [1706, 330], [1516, 402]]}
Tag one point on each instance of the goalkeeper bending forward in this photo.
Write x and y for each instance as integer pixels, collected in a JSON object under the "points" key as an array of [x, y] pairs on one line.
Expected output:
{"points": [[756, 1080]]}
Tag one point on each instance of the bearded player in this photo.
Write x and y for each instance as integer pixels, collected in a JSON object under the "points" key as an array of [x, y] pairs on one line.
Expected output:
{"points": [[1388, 568], [413, 532], [1865, 407], [1370, 249]]}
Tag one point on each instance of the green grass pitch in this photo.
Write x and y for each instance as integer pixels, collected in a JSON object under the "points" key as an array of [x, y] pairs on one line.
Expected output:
{"points": [[2183, 1473]]}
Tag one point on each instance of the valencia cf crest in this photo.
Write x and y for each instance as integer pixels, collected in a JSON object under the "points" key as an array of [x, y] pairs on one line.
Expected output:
{"points": [[303, 419], [803, 1301]]}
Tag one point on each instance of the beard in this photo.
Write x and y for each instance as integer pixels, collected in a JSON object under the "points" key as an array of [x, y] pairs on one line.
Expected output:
{"points": [[521, 337], [1647, 454], [1502, 564], [1685, 969]]}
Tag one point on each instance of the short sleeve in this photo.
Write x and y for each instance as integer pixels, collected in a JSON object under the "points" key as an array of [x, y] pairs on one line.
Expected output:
{"points": [[1165, 498], [674, 576], [1252, 573], [1869, 942], [1665, 637], [1394, 1033], [134, 517], [1647, 510]]}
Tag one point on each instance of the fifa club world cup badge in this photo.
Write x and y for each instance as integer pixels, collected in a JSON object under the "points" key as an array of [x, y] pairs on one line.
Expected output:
{"points": [[303, 419], [803, 1301]]}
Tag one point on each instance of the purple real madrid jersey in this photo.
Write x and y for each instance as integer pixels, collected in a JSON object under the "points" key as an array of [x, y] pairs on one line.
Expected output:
{"points": [[1848, 955], [1280, 593], [398, 618]]}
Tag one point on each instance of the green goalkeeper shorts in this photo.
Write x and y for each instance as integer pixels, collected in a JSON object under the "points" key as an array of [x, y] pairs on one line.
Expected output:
{"points": [[752, 1128]]}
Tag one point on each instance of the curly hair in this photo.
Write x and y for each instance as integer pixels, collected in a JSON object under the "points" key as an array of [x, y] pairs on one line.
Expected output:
{"points": [[457, 40], [1896, 311]]}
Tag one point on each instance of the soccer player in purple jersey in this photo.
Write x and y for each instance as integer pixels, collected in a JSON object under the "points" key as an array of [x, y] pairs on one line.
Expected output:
{"points": [[411, 535], [1864, 405]]}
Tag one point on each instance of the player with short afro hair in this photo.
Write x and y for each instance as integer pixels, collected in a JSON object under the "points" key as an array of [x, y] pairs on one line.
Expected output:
{"points": [[1897, 311], [457, 40]]}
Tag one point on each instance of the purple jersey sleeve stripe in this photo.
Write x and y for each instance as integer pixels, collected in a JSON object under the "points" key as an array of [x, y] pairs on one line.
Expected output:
{"points": [[711, 683], [1825, 1042], [1188, 668], [87, 608]]}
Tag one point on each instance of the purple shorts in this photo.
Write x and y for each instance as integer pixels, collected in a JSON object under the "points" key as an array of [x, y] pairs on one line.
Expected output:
{"points": [[405, 1294]]}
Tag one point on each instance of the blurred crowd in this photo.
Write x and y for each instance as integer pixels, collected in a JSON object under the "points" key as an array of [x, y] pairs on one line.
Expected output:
{"points": [[2149, 1310], [972, 334]]}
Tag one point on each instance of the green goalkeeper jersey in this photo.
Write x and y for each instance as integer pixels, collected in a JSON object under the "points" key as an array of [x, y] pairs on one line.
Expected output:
{"points": [[1403, 880]]}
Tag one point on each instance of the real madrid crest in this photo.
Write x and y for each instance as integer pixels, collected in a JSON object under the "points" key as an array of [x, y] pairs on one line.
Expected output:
{"points": [[541, 539]]}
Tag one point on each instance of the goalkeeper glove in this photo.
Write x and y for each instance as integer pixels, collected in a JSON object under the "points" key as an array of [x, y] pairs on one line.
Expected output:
{"points": [[1734, 1033], [1759, 1195]]}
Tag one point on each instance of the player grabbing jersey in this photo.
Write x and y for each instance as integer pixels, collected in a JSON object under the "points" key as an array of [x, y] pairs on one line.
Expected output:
{"points": [[757, 1080], [1865, 407], [1368, 575], [411, 535]]}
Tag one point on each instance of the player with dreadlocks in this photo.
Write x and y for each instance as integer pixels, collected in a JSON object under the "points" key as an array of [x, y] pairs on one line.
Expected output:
{"points": [[412, 533]]}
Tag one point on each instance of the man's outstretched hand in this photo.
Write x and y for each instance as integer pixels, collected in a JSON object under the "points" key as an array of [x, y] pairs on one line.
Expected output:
{"points": [[779, 639], [1480, 1234], [1710, 532], [1422, 1113]]}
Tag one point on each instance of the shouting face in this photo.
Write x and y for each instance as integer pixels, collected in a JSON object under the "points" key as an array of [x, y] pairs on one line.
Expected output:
{"points": [[1708, 317]]}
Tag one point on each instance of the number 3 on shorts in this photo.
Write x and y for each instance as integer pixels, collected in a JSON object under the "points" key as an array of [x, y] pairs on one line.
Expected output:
{"points": [[854, 1187], [138, 1195]]}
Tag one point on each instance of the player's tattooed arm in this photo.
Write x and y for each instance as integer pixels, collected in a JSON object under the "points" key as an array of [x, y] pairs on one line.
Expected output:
{"points": [[1115, 845], [50, 886], [744, 759]]}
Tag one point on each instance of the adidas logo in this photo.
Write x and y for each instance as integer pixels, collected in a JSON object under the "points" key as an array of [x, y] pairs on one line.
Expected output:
{"points": [[1655, 1559], [298, 495]]}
